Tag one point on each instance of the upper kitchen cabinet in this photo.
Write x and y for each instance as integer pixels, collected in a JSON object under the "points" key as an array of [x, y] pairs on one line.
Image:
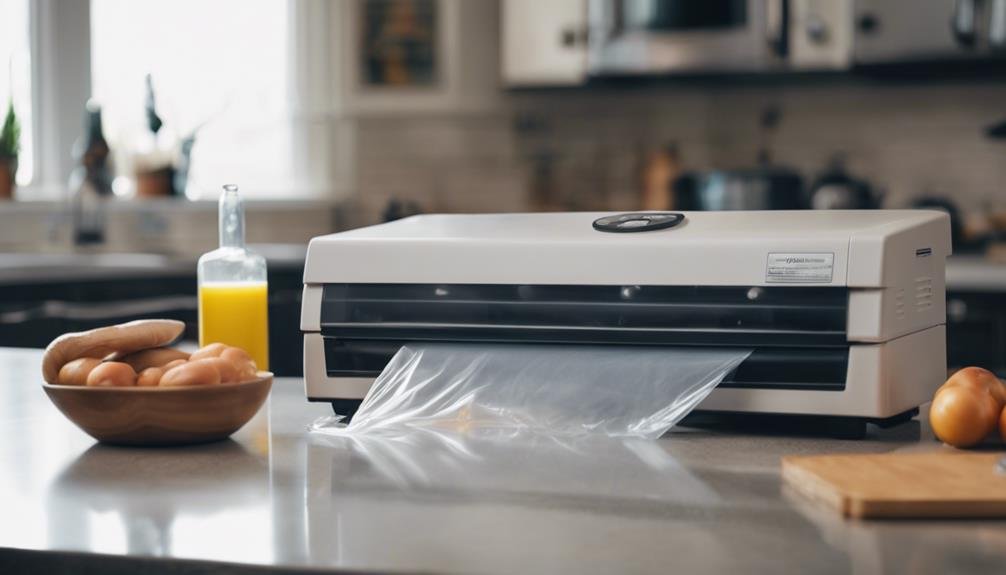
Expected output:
{"points": [[819, 34], [568, 42], [893, 31], [544, 43]]}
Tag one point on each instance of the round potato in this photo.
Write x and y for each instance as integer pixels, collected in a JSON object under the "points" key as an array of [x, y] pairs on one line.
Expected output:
{"points": [[150, 377], [154, 357], [76, 371], [247, 371], [112, 374], [1002, 424], [210, 350], [174, 364], [962, 416], [236, 355], [195, 372], [245, 365], [978, 379], [228, 371]]}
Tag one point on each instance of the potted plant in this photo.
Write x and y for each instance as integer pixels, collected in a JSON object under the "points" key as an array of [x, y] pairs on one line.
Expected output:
{"points": [[10, 145]]}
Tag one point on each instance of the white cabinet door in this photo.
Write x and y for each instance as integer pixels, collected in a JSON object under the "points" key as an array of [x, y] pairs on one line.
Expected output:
{"points": [[544, 42], [904, 30]]}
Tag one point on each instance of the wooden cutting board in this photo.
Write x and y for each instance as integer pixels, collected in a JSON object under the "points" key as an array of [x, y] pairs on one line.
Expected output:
{"points": [[932, 484]]}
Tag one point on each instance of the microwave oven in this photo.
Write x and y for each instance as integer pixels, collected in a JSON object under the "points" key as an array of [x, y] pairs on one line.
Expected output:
{"points": [[642, 37]]}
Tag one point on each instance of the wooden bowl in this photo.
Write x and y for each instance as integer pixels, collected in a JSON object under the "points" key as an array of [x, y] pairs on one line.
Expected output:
{"points": [[158, 415]]}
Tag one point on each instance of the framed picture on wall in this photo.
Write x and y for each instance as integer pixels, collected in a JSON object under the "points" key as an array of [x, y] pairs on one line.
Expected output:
{"points": [[395, 56], [399, 44]]}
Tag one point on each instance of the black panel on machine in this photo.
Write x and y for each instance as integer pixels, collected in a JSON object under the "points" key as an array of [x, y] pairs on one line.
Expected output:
{"points": [[798, 333]]}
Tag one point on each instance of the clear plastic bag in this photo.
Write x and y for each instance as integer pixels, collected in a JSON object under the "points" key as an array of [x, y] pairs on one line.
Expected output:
{"points": [[510, 466], [557, 390]]}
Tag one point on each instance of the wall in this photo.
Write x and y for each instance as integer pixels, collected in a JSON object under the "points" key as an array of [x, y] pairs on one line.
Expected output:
{"points": [[178, 228], [492, 149], [908, 140], [912, 140]]}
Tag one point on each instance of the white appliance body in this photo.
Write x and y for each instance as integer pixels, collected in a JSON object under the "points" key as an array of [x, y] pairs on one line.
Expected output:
{"points": [[876, 277]]}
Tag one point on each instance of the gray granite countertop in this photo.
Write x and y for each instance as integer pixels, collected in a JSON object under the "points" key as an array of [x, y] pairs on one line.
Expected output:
{"points": [[277, 496]]}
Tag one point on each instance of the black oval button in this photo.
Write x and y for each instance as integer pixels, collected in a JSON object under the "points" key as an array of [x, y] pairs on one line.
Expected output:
{"points": [[638, 222]]}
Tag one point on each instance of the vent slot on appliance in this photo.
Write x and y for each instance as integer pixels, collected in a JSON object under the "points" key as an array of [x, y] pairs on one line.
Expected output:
{"points": [[923, 294], [783, 316], [766, 368], [899, 304]]}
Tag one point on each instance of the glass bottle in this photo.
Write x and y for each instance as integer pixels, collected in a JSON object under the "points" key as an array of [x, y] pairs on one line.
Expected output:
{"points": [[233, 290], [91, 180]]}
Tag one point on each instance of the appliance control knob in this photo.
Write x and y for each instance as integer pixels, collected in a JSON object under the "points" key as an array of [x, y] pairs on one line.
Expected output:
{"points": [[638, 222], [817, 29]]}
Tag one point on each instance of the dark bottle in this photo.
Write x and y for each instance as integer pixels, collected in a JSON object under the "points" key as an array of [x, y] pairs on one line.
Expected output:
{"points": [[91, 180]]}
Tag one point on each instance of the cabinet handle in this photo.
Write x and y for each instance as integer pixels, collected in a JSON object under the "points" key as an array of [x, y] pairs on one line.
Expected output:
{"points": [[867, 24], [997, 24], [573, 36], [777, 27], [963, 23]]}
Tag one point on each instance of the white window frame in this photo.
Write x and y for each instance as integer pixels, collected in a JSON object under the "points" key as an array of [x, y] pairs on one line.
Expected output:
{"points": [[60, 33], [327, 97]]}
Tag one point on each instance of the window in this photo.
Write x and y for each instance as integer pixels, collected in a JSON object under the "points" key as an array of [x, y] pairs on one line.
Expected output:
{"points": [[15, 78], [219, 69]]}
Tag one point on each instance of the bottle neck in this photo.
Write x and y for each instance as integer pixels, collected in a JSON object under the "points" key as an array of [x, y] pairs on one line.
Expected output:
{"points": [[232, 219]]}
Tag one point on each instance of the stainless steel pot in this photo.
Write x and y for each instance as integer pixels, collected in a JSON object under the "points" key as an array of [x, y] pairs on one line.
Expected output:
{"points": [[750, 189]]}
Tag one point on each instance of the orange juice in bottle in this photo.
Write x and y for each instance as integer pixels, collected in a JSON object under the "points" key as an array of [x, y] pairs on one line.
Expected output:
{"points": [[233, 290]]}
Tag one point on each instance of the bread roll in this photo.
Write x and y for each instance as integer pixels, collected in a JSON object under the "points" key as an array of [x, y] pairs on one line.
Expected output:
{"points": [[104, 341]]}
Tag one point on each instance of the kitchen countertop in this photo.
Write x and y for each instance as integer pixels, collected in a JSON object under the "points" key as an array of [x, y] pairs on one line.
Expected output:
{"points": [[66, 267], [275, 495]]}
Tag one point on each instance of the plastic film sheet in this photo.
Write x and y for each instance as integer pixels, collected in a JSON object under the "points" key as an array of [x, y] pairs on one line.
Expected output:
{"points": [[514, 468], [617, 391]]}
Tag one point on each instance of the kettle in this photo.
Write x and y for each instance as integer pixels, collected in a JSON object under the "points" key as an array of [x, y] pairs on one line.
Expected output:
{"points": [[835, 189]]}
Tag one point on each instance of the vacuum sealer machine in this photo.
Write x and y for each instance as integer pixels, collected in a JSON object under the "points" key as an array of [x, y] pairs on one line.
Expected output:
{"points": [[844, 310]]}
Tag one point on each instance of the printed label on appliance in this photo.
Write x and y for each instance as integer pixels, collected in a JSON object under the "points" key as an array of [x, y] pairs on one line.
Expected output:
{"points": [[799, 268]]}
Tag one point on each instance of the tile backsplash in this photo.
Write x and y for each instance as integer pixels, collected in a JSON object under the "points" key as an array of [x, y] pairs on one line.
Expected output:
{"points": [[586, 145], [179, 228]]}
